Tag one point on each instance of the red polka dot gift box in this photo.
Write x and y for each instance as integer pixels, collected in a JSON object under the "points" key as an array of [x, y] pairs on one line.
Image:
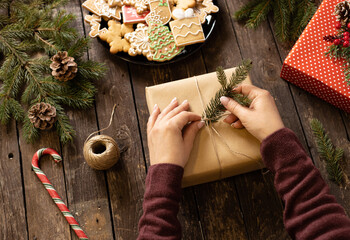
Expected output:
{"points": [[307, 66]]}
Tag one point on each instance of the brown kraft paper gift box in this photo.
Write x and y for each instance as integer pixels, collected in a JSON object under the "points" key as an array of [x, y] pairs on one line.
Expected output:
{"points": [[206, 164]]}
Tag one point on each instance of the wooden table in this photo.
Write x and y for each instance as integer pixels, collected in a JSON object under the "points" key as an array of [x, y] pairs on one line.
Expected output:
{"points": [[108, 204]]}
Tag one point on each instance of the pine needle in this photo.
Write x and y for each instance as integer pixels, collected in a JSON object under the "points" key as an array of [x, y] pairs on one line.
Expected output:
{"points": [[215, 109], [31, 32], [290, 16], [332, 156]]}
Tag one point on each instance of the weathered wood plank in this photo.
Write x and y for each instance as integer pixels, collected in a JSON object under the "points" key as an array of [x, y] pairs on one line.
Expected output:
{"points": [[309, 106], [44, 219], [86, 188], [13, 223], [126, 179]]}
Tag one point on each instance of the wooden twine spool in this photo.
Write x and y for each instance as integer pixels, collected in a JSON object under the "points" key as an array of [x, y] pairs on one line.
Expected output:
{"points": [[101, 152]]}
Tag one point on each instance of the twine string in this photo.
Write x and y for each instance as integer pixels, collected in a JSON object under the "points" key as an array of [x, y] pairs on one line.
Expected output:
{"points": [[208, 123], [110, 123], [212, 129]]}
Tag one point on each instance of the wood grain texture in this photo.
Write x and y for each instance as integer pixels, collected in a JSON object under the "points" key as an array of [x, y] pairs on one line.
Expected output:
{"points": [[13, 223], [126, 178], [86, 188], [45, 221]]}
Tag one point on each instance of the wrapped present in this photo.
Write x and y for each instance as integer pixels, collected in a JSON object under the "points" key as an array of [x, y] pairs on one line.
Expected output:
{"points": [[307, 66], [219, 150]]}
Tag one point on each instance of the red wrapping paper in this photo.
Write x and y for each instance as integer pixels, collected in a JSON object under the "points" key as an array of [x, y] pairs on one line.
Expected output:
{"points": [[307, 66]]}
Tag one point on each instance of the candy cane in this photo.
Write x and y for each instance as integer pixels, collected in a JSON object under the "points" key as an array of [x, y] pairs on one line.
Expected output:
{"points": [[53, 193]]}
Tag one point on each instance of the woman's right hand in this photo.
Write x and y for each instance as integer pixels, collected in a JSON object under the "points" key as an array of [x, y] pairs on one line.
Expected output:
{"points": [[262, 117]]}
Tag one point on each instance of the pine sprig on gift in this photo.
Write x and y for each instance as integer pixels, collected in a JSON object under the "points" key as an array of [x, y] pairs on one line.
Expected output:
{"points": [[31, 32], [215, 109], [290, 16], [332, 156]]}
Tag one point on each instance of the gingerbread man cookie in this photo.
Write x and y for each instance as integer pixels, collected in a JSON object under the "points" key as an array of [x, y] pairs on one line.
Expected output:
{"points": [[187, 31], [139, 42], [95, 23], [202, 9], [160, 12], [114, 36]]}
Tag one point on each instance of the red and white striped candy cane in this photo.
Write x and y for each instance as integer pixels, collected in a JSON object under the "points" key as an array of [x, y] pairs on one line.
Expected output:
{"points": [[53, 193]]}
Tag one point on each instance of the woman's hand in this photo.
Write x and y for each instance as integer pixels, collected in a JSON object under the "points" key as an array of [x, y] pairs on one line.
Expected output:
{"points": [[262, 117], [171, 133]]}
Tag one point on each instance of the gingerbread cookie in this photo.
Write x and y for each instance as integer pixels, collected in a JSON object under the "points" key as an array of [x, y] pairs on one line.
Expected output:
{"points": [[114, 36], [139, 42], [114, 3], [160, 12], [162, 43], [140, 5], [95, 24], [202, 9], [101, 8], [179, 13], [187, 31], [130, 15]]}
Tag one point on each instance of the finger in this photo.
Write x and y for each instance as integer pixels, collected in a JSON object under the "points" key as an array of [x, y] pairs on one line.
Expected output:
{"points": [[248, 90], [237, 124], [173, 104], [181, 119], [191, 131], [152, 118], [230, 119], [184, 106], [233, 106]]}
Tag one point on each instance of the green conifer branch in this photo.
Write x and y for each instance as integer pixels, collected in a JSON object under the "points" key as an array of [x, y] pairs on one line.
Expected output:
{"points": [[290, 16], [215, 109], [332, 156], [29, 36]]}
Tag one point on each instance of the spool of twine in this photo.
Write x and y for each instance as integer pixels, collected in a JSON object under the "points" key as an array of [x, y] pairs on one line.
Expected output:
{"points": [[101, 152]]}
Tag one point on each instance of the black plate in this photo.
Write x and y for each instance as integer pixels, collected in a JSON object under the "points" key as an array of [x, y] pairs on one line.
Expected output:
{"points": [[208, 27]]}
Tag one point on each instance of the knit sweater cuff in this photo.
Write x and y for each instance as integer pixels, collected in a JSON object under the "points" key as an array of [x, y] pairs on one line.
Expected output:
{"points": [[165, 180]]}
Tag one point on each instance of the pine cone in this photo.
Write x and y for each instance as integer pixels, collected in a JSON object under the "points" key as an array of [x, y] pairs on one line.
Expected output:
{"points": [[42, 115], [342, 10], [63, 67]]}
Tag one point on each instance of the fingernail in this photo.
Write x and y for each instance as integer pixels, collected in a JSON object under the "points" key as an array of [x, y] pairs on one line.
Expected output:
{"points": [[224, 100], [184, 102], [155, 107], [174, 99], [201, 124]]}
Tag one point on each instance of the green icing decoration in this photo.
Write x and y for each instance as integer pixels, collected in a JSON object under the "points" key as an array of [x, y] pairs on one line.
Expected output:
{"points": [[161, 31]]}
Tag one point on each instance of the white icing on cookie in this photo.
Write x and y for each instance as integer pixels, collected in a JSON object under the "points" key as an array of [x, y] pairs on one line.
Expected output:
{"points": [[178, 13], [189, 13]]}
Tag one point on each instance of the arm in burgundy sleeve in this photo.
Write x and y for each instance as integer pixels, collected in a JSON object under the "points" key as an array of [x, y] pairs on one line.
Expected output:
{"points": [[161, 203], [311, 212]]}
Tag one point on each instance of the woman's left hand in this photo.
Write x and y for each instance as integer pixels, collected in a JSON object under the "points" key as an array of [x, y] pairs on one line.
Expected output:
{"points": [[171, 133]]}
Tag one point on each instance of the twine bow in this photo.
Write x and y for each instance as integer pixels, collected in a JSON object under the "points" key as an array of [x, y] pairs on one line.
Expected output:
{"points": [[213, 130]]}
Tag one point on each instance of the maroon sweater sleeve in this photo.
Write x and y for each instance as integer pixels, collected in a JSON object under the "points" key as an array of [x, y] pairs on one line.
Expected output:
{"points": [[311, 212], [161, 203]]}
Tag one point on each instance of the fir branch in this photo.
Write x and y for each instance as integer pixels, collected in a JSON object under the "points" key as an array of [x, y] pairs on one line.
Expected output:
{"points": [[34, 31], [259, 13], [290, 16], [332, 156], [215, 109]]}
